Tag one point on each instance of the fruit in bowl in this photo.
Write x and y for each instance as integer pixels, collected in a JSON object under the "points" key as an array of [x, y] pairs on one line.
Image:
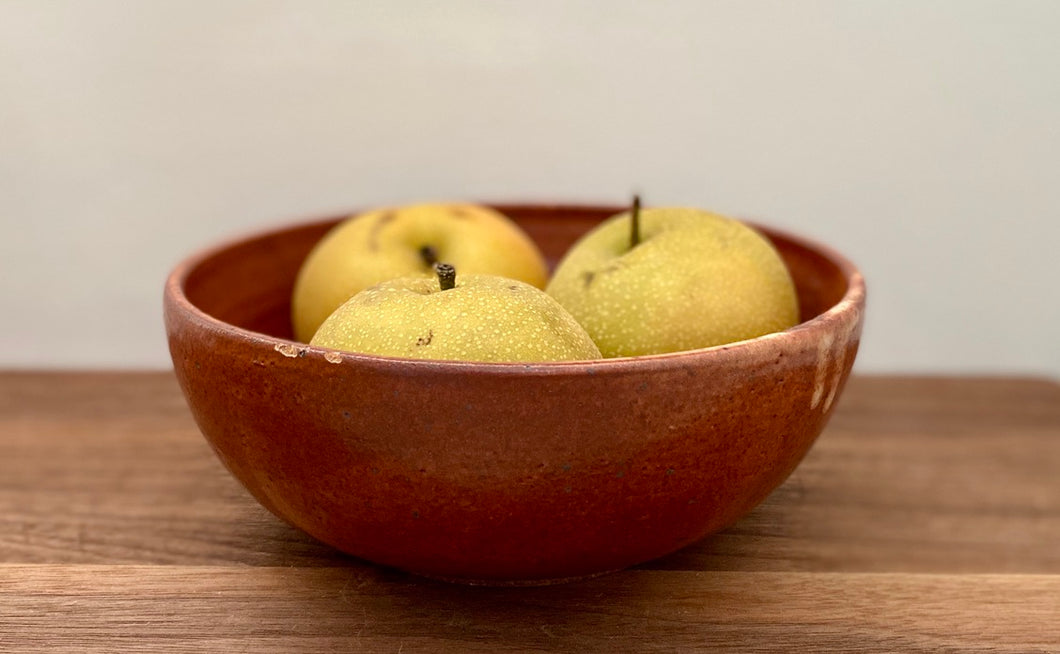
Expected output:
{"points": [[483, 318], [502, 473], [381, 244], [672, 279]]}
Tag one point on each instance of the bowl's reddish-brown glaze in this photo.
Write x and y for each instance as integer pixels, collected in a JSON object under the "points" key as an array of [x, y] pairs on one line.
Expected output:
{"points": [[502, 473]]}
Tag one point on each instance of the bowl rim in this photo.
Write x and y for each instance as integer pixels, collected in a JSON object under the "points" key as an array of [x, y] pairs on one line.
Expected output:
{"points": [[175, 299]]}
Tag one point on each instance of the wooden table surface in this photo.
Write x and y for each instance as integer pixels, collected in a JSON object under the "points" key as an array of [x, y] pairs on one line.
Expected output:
{"points": [[926, 518]]}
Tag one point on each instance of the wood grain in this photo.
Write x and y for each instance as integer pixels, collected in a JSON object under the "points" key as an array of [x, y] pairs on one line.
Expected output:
{"points": [[926, 518], [179, 608]]}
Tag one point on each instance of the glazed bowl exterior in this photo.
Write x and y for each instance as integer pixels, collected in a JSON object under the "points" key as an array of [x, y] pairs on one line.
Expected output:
{"points": [[501, 473]]}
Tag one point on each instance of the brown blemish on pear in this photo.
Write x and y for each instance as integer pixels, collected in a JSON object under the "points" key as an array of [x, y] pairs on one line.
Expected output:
{"points": [[634, 240], [380, 223]]}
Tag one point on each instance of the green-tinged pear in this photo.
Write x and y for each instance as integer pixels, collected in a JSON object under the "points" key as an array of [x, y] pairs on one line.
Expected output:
{"points": [[671, 279]]}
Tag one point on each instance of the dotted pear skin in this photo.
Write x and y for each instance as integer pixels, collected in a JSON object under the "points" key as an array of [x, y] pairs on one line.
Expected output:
{"points": [[695, 280], [484, 318]]}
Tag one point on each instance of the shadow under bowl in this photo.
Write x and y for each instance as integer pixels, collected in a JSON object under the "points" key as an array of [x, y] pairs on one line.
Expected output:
{"points": [[502, 473]]}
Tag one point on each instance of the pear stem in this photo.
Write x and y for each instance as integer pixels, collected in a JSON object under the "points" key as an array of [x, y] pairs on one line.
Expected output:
{"points": [[429, 255], [446, 275], [634, 223]]}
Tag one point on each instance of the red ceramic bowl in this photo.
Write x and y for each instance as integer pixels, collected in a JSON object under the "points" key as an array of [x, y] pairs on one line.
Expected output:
{"points": [[502, 473]]}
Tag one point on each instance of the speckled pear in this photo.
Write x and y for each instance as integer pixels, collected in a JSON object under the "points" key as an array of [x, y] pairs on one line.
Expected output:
{"points": [[674, 279], [484, 318], [392, 242]]}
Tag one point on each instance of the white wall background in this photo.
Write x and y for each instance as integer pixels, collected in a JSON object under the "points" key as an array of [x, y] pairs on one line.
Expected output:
{"points": [[922, 138]]}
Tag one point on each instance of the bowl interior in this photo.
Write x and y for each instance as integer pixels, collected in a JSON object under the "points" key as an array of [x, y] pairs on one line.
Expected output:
{"points": [[248, 284]]}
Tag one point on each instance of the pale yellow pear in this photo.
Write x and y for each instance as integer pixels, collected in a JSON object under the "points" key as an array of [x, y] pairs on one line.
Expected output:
{"points": [[392, 242], [695, 279], [482, 318]]}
